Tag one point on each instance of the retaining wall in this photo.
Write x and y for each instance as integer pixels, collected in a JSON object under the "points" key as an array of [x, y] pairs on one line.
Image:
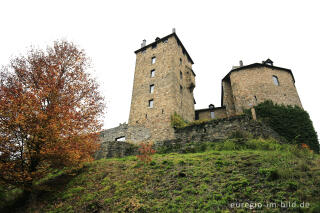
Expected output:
{"points": [[211, 131]]}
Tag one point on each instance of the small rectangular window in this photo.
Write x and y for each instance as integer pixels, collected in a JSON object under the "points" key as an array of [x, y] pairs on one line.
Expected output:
{"points": [[153, 60], [212, 114], [275, 80], [152, 73], [181, 89], [122, 138], [151, 103], [180, 75], [180, 61], [151, 88]]}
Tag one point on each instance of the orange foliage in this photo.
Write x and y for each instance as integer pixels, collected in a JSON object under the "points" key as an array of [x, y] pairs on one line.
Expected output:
{"points": [[146, 152], [305, 146], [50, 112]]}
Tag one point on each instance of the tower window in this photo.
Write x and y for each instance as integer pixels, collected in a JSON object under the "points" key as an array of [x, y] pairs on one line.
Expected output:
{"points": [[212, 114], [151, 103], [180, 61], [153, 60], [152, 73], [151, 88], [275, 80], [181, 89], [180, 75]]}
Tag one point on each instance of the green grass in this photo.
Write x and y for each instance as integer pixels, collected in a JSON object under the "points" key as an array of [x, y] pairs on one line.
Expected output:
{"points": [[207, 181]]}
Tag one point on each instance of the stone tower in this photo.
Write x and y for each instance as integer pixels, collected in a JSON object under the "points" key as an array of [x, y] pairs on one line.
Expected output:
{"points": [[246, 86], [163, 84]]}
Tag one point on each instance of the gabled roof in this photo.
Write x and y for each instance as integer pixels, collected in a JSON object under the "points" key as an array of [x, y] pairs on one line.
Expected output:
{"points": [[164, 38]]}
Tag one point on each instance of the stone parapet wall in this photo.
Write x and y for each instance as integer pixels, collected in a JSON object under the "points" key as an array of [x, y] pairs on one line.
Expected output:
{"points": [[113, 149], [132, 134]]}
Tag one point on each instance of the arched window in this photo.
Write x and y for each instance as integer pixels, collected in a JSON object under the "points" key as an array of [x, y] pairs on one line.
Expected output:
{"points": [[275, 80]]}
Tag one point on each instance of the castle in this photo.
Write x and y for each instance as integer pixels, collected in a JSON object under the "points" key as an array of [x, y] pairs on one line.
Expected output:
{"points": [[164, 82]]}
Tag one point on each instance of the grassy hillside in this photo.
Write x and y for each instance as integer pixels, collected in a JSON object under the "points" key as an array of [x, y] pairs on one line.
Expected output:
{"points": [[219, 178]]}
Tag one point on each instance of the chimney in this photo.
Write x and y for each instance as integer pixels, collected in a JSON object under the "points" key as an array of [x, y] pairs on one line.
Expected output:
{"points": [[157, 39], [241, 63], [143, 44], [173, 30]]}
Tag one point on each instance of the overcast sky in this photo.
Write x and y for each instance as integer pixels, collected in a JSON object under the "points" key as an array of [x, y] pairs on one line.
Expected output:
{"points": [[216, 34]]}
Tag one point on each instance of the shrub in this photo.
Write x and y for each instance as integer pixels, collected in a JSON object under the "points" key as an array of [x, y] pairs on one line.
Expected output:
{"points": [[299, 152], [177, 121], [146, 151], [290, 122]]}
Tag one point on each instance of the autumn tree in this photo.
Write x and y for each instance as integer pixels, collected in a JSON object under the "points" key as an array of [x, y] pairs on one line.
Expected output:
{"points": [[50, 113]]}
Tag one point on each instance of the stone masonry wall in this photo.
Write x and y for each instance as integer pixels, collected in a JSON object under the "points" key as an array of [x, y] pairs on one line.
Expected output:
{"points": [[255, 85], [221, 129], [113, 149], [132, 134], [214, 130], [228, 99]]}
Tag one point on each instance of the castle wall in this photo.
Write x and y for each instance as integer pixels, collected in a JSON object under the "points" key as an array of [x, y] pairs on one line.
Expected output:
{"points": [[132, 134], [255, 85], [168, 97], [220, 130], [211, 131], [113, 149]]}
